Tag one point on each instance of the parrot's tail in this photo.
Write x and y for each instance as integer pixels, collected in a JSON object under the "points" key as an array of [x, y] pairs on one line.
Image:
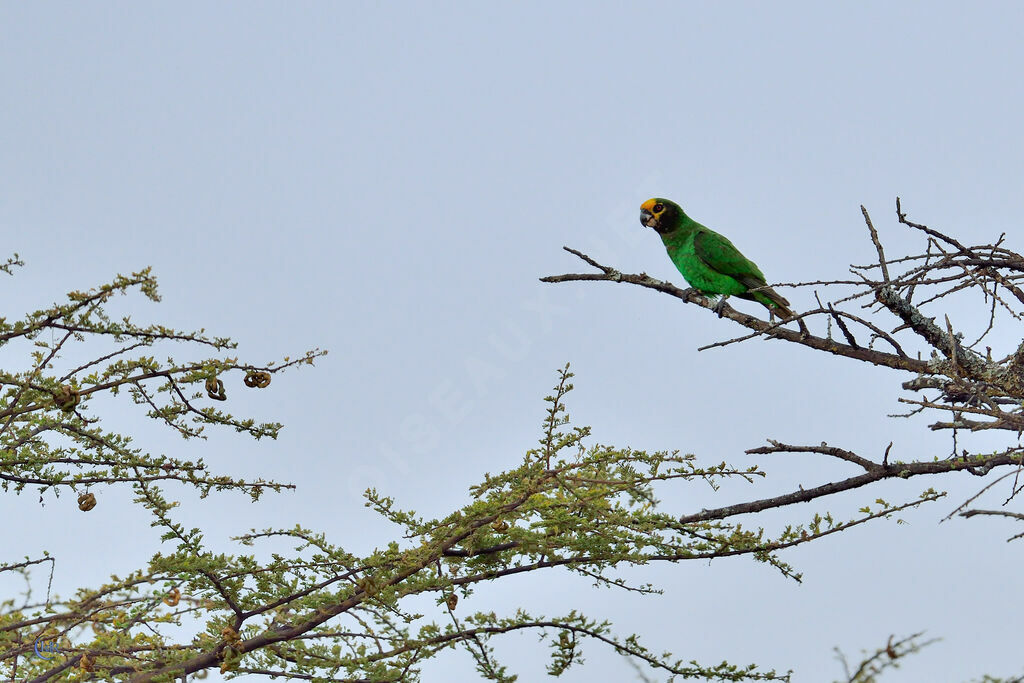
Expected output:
{"points": [[781, 307]]}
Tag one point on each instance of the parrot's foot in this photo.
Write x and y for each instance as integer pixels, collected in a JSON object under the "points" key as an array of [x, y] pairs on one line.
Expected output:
{"points": [[719, 306]]}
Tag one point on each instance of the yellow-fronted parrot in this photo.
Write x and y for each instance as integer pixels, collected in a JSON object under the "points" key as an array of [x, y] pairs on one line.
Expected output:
{"points": [[709, 261]]}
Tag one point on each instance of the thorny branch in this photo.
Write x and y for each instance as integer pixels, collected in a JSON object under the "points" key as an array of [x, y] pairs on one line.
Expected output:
{"points": [[962, 376], [905, 295], [330, 615]]}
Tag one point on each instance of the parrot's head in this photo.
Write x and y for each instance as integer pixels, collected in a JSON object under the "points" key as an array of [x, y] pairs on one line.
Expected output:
{"points": [[660, 214]]}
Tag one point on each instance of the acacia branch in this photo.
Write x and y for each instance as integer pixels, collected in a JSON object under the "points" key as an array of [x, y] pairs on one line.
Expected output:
{"points": [[979, 464], [760, 327]]}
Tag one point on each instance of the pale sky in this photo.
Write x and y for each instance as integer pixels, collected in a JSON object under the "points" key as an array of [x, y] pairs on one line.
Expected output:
{"points": [[390, 181]]}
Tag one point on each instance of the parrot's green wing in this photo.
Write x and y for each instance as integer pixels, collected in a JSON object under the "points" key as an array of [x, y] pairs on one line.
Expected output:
{"points": [[720, 255]]}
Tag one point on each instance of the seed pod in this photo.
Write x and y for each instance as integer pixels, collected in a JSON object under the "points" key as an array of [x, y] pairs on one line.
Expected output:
{"points": [[257, 379], [86, 501], [230, 635], [66, 398], [171, 599], [452, 601], [215, 389]]}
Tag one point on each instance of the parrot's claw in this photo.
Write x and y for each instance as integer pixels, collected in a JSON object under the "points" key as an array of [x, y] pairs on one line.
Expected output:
{"points": [[719, 307]]}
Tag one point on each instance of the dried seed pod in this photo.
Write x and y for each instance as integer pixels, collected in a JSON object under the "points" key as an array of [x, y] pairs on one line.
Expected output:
{"points": [[452, 601], [200, 674], [499, 525], [230, 635], [172, 597], [86, 501], [85, 664], [66, 398], [257, 379], [215, 389]]}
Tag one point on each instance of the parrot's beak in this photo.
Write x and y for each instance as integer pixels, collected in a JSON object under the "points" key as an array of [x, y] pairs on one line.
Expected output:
{"points": [[647, 219]]}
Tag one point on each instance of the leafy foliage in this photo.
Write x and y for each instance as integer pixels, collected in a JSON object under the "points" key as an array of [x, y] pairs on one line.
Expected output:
{"points": [[569, 505]]}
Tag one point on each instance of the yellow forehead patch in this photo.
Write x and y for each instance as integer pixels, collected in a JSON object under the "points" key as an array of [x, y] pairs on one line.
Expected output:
{"points": [[649, 204]]}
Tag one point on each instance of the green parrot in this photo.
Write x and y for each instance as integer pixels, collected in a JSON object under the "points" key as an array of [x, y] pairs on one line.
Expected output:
{"points": [[708, 261]]}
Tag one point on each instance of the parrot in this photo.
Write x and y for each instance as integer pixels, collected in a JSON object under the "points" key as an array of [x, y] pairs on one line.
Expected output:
{"points": [[709, 262]]}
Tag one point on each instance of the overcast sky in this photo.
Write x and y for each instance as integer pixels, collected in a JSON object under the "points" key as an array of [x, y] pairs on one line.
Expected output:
{"points": [[389, 182]]}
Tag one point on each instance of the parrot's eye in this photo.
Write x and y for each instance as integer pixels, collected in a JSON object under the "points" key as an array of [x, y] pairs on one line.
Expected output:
{"points": [[658, 208]]}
